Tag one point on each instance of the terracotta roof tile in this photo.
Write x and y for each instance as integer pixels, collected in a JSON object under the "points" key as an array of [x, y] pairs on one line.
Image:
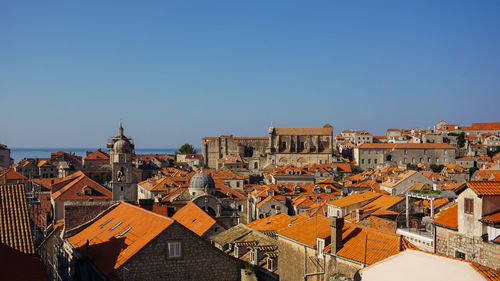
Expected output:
{"points": [[195, 219], [74, 187], [97, 155], [355, 198], [493, 218], [448, 217], [15, 224], [118, 235], [353, 236], [271, 223], [485, 188]]}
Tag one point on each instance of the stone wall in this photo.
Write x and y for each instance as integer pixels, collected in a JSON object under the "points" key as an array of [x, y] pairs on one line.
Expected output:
{"points": [[448, 242], [77, 213], [199, 261], [291, 263]]}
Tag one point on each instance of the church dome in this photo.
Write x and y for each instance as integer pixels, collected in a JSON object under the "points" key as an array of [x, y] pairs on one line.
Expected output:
{"points": [[200, 180], [122, 146]]}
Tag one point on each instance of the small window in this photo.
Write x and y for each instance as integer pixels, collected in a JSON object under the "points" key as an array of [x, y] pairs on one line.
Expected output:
{"points": [[469, 206], [460, 255], [174, 249], [240, 208], [320, 245]]}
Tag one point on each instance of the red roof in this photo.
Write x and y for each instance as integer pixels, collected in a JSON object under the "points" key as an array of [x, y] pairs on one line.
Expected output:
{"points": [[74, 189], [485, 188], [97, 155], [11, 174], [195, 219], [118, 235], [448, 217]]}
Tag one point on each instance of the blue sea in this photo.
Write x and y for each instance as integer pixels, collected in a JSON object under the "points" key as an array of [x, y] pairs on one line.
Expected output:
{"points": [[19, 154]]}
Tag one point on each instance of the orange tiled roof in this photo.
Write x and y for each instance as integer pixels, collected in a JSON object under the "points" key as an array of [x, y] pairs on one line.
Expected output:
{"points": [[97, 155], [494, 218], [448, 217], [485, 188], [11, 174], [274, 222], [326, 181], [195, 219], [107, 249], [353, 239], [15, 225], [383, 202], [355, 198], [73, 189]]}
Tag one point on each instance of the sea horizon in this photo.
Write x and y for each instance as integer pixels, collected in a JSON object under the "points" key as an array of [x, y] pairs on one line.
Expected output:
{"points": [[20, 153]]}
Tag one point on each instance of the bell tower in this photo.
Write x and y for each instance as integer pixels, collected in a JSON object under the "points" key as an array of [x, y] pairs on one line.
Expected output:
{"points": [[123, 185]]}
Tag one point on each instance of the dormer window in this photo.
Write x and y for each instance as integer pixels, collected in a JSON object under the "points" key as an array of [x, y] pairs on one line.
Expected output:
{"points": [[469, 206], [297, 190], [328, 190], [86, 190], [317, 189]]}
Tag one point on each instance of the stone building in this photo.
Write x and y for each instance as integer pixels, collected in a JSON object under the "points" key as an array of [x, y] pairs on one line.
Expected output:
{"points": [[5, 160], [369, 155], [228, 205], [123, 182], [470, 229], [300, 146], [282, 146], [252, 149], [318, 247], [97, 166], [127, 242]]}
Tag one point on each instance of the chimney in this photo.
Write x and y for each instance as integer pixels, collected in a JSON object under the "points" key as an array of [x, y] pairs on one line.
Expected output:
{"points": [[336, 225], [359, 214]]}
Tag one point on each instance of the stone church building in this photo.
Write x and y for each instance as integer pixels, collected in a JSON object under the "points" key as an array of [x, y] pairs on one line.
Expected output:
{"points": [[282, 146]]}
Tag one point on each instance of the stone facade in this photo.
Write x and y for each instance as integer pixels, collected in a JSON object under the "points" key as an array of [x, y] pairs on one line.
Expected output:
{"points": [[5, 160], [252, 149], [449, 242], [199, 260], [300, 146], [291, 259], [368, 156], [77, 213]]}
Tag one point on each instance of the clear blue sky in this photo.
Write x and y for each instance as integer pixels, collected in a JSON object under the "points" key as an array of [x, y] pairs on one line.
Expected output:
{"points": [[178, 71]]}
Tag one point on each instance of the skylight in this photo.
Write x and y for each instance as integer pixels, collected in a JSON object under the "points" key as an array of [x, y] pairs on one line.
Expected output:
{"points": [[101, 226], [115, 226], [123, 232]]}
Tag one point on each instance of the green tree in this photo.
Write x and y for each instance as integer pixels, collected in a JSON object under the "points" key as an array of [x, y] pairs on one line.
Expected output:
{"points": [[186, 149], [437, 168], [461, 140], [473, 170]]}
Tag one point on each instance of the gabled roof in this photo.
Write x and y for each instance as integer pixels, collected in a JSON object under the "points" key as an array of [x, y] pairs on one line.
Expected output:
{"points": [[15, 224], [11, 174], [195, 219], [448, 217], [73, 189], [97, 155], [118, 235]]}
